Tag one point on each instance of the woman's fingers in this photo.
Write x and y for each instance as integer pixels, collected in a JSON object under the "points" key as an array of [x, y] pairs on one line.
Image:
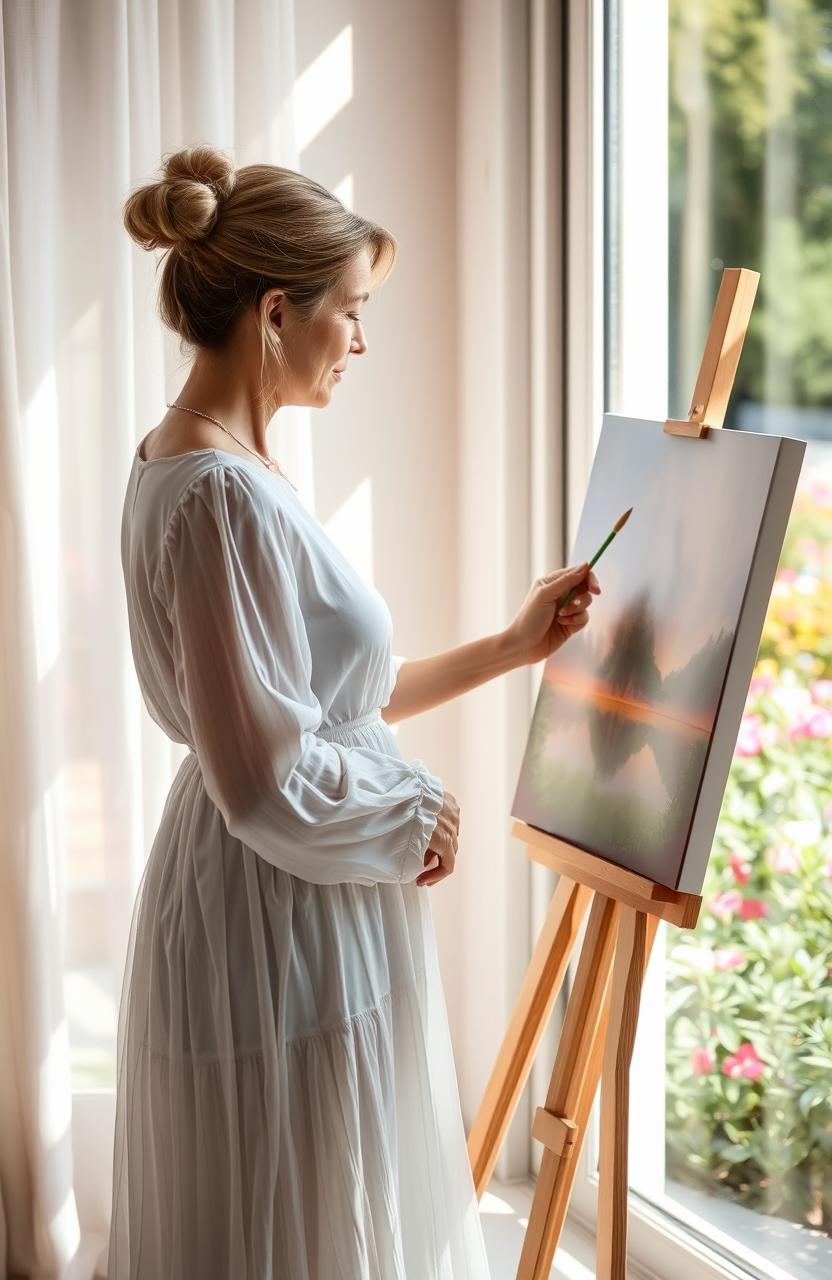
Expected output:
{"points": [[446, 859], [576, 605], [575, 621], [558, 584], [435, 874], [565, 579]]}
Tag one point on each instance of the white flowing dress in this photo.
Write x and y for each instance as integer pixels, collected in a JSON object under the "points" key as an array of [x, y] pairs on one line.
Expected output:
{"points": [[287, 1105]]}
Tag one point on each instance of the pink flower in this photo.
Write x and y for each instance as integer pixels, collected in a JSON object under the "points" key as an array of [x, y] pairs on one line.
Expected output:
{"points": [[821, 690], [701, 1061], [815, 723], [753, 909], [728, 958], [787, 859], [787, 575], [740, 868], [725, 904], [763, 683], [749, 742], [745, 1064]]}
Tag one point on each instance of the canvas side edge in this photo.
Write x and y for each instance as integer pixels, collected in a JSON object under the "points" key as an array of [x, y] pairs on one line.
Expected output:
{"points": [[741, 667]]}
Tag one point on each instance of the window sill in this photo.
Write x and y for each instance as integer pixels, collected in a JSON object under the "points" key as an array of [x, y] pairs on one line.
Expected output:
{"points": [[505, 1207], [504, 1211]]}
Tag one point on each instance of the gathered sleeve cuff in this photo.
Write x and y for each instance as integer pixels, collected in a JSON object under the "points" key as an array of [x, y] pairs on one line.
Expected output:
{"points": [[424, 821]]}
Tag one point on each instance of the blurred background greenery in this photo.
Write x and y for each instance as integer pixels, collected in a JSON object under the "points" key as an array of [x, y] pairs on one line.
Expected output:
{"points": [[749, 993]]}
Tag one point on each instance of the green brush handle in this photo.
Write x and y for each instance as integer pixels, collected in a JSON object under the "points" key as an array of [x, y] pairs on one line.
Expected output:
{"points": [[570, 593]]}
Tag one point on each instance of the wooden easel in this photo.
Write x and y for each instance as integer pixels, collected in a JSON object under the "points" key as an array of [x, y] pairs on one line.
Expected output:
{"points": [[601, 1017]]}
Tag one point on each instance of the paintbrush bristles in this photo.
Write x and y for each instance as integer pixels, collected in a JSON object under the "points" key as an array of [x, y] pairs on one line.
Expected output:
{"points": [[622, 520]]}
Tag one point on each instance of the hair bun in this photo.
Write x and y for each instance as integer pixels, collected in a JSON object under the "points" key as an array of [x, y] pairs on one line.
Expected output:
{"points": [[184, 205]]}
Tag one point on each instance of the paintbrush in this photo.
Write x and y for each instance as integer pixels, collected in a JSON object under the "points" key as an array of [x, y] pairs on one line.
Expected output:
{"points": [[619, 524]]}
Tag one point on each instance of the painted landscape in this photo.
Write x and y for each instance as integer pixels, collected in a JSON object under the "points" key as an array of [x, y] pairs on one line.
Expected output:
{"points": [[626, 709]]}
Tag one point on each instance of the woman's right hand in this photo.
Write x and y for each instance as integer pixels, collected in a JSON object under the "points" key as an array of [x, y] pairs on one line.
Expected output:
{"points": [[443, 842]]}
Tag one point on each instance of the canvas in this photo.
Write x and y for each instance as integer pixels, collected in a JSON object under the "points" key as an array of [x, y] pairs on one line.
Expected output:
{"points": [[637, 715]]}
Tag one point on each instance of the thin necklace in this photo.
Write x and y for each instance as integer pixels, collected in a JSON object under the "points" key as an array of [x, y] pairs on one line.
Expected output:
{"points": [[271, 464]]}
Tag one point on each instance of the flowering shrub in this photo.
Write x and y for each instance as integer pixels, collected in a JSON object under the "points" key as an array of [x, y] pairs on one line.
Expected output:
{"points": [[749, 1025]]}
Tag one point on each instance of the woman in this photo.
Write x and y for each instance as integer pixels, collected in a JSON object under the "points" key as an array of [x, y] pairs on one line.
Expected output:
{"points": [[286, 1099]]}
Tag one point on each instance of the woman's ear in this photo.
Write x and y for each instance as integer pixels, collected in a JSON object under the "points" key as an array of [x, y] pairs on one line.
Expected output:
{"points": [[274, 307]]}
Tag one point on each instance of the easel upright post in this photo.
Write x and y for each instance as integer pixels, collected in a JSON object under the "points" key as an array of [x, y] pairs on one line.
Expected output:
{"points": [[602, 1014], [598, 1032]]}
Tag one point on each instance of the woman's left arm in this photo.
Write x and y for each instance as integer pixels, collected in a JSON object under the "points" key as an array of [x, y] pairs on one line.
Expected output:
{"points": [[538, 629], [426, 682]]}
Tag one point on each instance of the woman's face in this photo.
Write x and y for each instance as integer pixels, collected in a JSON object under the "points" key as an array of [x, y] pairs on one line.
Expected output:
{"points": [[314, 351]]}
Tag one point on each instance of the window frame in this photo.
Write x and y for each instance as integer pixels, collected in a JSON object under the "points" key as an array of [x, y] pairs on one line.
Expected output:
{"points": [[658, 1244]]}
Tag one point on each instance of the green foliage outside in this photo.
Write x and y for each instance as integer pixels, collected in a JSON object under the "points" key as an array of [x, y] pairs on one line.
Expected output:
{"points": [[749, 1029], [751, 185]]}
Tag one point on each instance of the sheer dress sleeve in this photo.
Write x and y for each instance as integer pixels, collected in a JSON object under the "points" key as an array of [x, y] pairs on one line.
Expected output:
{"points": [[396, 664], [321, 810]]}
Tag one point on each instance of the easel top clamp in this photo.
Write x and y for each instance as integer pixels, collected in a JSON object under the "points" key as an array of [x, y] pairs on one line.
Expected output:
{"points": [[602, 1014], [729, 325]]}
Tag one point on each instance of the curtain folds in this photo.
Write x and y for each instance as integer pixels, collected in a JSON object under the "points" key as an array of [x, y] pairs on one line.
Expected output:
{"points": [[93, 96]]}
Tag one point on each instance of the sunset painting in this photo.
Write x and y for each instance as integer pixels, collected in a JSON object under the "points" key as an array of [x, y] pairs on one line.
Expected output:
{"points": [[628, 708]]}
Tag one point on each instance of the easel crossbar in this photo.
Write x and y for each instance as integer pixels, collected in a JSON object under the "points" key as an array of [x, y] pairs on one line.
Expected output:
{"points": [[605, 877]]}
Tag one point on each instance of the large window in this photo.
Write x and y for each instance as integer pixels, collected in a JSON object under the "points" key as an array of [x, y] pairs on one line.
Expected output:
{"points": [[718, 152]]}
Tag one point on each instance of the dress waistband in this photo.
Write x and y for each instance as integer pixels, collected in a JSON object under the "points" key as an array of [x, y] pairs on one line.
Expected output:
{"points": [[332, 730], [344, 726]]}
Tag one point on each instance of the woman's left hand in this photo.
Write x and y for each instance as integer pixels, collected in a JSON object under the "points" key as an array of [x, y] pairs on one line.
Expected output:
{"points": [[538, 630]]}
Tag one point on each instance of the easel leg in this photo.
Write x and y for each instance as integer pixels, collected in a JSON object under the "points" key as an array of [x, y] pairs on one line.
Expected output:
{"points": [[561, 1124], [636, 932], [543, 980]]}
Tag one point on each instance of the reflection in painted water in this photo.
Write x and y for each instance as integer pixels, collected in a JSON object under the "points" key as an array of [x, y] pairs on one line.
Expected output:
{"points": [[617, 749]]}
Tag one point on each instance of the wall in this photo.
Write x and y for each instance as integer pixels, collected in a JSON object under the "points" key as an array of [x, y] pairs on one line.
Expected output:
{"points": [[424, 460]]}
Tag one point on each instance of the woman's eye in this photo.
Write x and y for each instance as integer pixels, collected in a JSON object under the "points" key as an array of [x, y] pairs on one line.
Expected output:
{"points": [[353, 317]]}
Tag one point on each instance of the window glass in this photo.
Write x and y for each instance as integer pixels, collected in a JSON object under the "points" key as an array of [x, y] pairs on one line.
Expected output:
{"points": [[744, 1148]]}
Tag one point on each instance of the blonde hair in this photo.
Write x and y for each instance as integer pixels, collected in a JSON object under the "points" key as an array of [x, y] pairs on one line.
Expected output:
{"points": [[231, 234]]}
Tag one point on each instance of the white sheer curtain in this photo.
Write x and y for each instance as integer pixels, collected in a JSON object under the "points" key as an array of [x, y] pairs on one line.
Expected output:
{"points": [[93, 95]]}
